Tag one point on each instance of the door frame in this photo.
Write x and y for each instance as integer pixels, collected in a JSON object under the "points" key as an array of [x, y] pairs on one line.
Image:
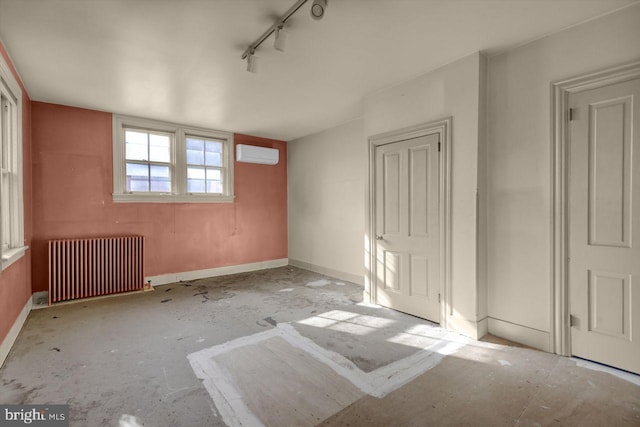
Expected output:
{"points": [[441, 127], [560, 334]]}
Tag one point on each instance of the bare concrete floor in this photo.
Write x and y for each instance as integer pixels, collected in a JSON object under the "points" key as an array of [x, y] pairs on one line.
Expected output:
{"points": [[122, 361]]}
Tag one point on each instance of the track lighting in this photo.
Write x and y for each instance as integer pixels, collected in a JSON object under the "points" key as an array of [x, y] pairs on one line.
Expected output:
{"points": [[317, 12], [252, 62], [317, 8], [280, 42]]}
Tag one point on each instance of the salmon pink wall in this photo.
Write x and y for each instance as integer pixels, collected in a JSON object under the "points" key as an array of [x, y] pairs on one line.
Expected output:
{"points": [[72, 186], [15, 281]]}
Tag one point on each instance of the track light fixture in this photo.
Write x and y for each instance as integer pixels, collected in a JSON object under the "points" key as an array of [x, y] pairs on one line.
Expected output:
{"points": [[318, 9], [280, 41], [252, 62]]}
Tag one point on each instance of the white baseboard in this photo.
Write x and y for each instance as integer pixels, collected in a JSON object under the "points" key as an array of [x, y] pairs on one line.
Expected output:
{"points": [[8, 341], [474, 329], [520, 334], [483, 327], [164, 279], [359, 280]]}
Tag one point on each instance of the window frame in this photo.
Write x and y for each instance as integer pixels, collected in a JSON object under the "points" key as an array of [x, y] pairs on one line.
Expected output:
{"points": [[16, 247], [178, 168], [194, 133], [150, 162]]}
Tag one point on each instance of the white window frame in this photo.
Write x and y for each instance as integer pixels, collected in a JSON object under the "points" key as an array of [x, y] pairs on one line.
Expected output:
{"points": [[15, 248], [179, 193]]}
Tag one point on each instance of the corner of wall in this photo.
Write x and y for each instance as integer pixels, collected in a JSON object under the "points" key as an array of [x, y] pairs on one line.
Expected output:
{"points": [[474, 329], [482, 206], [342, 275]]}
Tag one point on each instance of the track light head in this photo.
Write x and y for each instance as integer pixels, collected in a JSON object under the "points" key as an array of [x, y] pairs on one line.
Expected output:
{"points": [[280, 42], [318, 8], [252, 62]]}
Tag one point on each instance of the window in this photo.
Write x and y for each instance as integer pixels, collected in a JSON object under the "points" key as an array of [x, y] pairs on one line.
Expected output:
{"points": [[164, 162], [204, 165], [148, 157], [11, 208]]}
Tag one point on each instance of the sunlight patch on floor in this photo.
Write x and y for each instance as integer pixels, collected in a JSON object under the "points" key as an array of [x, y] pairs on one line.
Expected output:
{"points": [[264, 378], [344, 321]]}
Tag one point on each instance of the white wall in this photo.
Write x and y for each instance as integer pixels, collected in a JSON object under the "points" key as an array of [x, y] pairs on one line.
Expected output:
{"points": [[500, 179], [326, 175], [519, 164], [451, 91]]}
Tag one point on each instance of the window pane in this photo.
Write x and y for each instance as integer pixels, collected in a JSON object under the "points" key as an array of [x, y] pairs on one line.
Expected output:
{"points": [[213, 153], [195, 180], [4, 168], [137, 170], [159, 148], [201, 180], [137, 184], [160, 185], [136, 145], [136, 152], [5, 210], [214, 181], [5, 123], [214, 159], [195, 186], [214, 174], [195, 173], [137, 177], [160, 178], [158, 172], [135, 137], [195, 151], [214, 187]]}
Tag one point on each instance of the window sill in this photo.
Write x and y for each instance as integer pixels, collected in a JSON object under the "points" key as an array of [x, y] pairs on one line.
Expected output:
{"points": [[12, 255], [170, 198]]}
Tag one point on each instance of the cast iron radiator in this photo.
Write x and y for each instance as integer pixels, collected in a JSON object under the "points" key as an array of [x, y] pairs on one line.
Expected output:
{"points": [[81, 268]]}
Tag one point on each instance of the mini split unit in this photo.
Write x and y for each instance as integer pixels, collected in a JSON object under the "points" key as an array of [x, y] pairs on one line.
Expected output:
{"points": [[253, 154]]}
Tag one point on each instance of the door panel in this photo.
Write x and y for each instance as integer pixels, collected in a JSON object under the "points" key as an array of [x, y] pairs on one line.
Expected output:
{"points": [[391, 193], [610, 172], [419, 276], [407, 226], [608, 297], [419, 191], [604, 225], [392, 271]]}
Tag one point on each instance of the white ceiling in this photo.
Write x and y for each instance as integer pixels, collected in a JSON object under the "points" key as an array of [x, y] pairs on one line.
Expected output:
{"points": [[180, 61]]}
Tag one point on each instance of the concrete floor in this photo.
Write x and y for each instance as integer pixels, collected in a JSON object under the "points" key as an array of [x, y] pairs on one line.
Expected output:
{"points": [[123, 361]]}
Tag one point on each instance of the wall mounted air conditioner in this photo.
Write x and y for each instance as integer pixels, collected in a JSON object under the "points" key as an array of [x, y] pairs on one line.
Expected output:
{"points": [[253, 154]]}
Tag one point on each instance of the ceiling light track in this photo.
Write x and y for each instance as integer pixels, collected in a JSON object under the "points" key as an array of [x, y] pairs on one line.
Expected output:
{"points": [[280, 22], [317, 11]]}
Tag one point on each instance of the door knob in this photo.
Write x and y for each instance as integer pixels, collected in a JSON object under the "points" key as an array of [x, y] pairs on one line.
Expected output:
{"points": [[378, 237]]}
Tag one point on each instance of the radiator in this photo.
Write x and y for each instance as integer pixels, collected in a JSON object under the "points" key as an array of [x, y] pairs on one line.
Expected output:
{"points": [[82, 268]]}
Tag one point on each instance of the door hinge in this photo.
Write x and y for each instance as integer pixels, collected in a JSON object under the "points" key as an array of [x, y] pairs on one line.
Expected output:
{"points": [[572, 114], [439, 147], [573, 320], [438, 298]]}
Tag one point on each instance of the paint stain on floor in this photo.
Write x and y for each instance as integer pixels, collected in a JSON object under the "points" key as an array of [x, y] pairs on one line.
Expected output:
{"points": [[270, 321]]}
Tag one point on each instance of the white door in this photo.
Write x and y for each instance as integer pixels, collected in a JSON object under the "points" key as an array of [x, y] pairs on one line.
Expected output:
{"points": [[408, 226], [604, 225]]}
